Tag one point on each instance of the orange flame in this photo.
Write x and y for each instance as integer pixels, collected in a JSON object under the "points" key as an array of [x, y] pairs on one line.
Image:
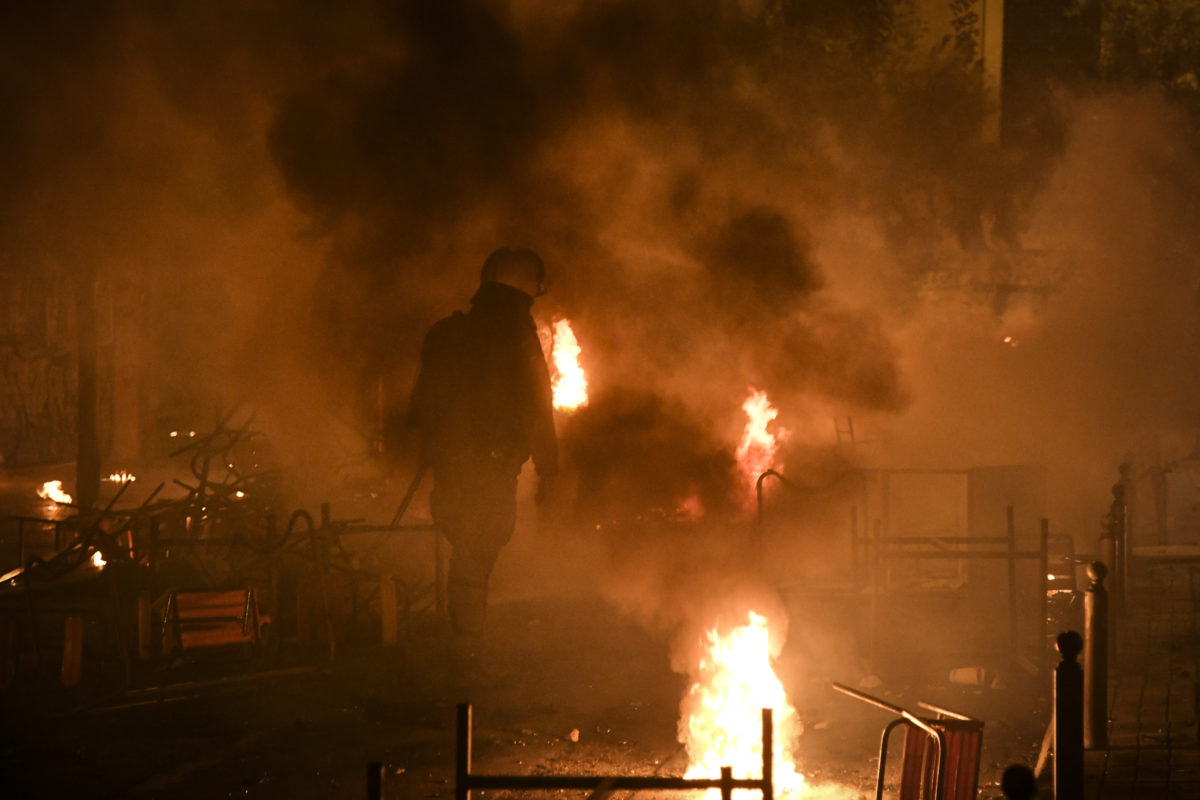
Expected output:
{"points": [[567, 379], [53, 490], [756, 452], [722, 713]]}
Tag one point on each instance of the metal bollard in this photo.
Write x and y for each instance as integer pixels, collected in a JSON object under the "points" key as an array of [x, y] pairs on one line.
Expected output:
{"points": [[1018, 783], [375, 781], [1068, 719], [1095, 659]]}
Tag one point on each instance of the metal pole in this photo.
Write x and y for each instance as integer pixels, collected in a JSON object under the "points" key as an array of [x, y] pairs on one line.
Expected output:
{"points": [[1012, 583], [1095, 659], [768, 755], [375, 781], [1044, 606], [1068, 719], [462, 753]]}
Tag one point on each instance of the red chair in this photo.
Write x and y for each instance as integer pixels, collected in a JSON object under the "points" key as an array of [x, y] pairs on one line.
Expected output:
{"points": [[940, 759]]}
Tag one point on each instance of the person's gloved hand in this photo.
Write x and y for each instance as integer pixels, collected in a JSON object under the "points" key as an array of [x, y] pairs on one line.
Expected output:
{"points": [[545, 490]]}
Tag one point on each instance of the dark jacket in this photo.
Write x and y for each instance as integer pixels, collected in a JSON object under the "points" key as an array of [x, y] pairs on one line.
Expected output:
{"points": [[483, 395]]}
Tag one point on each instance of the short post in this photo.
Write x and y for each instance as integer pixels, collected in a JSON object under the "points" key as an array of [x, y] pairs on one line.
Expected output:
{"points": [[1068, 719], [375, 781], [462, 753], [1018, 783], [1095, 659]]}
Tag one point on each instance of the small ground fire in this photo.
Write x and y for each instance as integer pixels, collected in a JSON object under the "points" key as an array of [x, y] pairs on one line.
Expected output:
{"points": [[53, 490], [720, 722]]}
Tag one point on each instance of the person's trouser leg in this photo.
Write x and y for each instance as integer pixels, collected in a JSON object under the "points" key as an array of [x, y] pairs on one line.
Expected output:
{"points": [[477, 513], [467, 587]]}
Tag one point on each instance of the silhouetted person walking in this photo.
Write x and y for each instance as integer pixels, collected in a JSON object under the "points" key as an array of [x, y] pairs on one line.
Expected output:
{"points": [[482, 405]]}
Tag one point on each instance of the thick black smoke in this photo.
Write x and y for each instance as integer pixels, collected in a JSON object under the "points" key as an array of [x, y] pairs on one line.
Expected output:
{"points": [[790, 196]]}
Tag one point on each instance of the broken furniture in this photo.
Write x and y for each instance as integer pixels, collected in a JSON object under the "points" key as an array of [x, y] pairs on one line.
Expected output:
{"points": [[212, 618], [940, 757]]}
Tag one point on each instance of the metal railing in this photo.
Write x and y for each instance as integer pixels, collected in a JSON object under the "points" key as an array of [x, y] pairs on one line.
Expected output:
{"points": [[466, 781]]}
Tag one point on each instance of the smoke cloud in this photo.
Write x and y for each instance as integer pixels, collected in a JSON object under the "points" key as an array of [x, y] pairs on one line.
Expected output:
{"points": [[727, 194]]}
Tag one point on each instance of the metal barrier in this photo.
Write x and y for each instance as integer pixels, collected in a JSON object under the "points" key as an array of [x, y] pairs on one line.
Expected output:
{"points": [[465, 781], [910, 548], [871, 551]]}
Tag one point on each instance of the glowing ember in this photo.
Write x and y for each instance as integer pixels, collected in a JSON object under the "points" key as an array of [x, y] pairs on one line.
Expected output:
{"points": [[121, 477], [690, 509], [567, 378], [721, 723], [53, 490], [97, 559], [756, 452]]}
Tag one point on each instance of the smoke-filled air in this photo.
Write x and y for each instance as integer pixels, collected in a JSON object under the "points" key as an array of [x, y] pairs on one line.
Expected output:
{"points": [[799, 240], [727, 194], [730, 197]]}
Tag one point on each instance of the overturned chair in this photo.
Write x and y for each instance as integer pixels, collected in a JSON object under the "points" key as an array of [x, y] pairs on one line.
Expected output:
{"points": [[194, 619], [941, 755]]}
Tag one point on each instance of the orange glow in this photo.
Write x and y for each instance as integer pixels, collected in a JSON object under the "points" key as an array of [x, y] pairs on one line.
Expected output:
{"points": [[756, 452], [567, 378], [53, 490], [690, 509], [722, 713], [121, 477], [98, 560]]}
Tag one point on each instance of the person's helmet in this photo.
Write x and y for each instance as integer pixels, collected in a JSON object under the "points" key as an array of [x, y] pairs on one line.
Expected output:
{"points": [[518, 267]]}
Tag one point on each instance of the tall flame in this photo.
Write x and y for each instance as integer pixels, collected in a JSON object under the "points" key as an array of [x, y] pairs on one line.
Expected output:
{"points": [[721, 723], [568, 381], [756, 452], [53, 490]]}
